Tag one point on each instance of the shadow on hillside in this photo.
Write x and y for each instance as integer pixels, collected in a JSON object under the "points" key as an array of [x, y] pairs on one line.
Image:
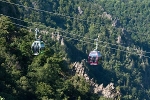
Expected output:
{"points": [[74, 54], [100, 75]]}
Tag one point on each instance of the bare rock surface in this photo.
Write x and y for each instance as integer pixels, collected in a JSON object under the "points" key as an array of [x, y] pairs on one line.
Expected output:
{"points": [[108, 92]]}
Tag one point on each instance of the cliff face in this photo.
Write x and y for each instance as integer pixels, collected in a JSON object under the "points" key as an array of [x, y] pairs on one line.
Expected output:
{"points": [[108, 92]]}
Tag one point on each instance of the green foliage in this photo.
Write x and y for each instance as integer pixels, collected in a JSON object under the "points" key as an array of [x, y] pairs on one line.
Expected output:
{"points": [[26, 77], [43, 90], [45, 76]]}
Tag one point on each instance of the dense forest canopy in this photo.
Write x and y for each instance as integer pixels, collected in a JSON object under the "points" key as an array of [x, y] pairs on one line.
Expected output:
{"points": [[123, 30]]}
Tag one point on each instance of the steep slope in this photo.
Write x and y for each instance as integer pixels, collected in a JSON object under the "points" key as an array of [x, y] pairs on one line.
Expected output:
{"points": [[24, 76], [120, 25]]}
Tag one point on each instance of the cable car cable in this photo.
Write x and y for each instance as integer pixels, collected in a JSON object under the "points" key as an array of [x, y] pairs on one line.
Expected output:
{"points": [[52, 13], [74, 34], [67, 16], [91, 43], [83, 40]]}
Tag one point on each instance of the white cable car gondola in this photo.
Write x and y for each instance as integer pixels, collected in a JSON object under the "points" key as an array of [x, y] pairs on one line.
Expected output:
{"points": [[37, 47]]}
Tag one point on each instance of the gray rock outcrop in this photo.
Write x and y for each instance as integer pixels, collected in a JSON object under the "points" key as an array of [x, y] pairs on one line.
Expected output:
{"points": [[108, 92]]}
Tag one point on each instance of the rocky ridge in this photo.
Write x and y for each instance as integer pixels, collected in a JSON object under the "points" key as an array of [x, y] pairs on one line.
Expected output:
{"points": [[108, 92]]}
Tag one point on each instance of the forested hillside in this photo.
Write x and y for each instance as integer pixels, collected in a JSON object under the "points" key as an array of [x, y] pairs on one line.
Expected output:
{"points": [[123, 30]]}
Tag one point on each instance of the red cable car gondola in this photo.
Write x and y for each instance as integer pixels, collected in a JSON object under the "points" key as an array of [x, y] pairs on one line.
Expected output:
{"points": [[95, 56]]}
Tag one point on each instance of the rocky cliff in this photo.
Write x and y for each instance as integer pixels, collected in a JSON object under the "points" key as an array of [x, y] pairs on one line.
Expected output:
{"points": [[108, 92]]}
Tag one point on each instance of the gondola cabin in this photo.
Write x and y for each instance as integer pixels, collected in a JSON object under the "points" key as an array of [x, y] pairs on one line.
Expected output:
{"points": [[94, 57], [37, 47]]}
